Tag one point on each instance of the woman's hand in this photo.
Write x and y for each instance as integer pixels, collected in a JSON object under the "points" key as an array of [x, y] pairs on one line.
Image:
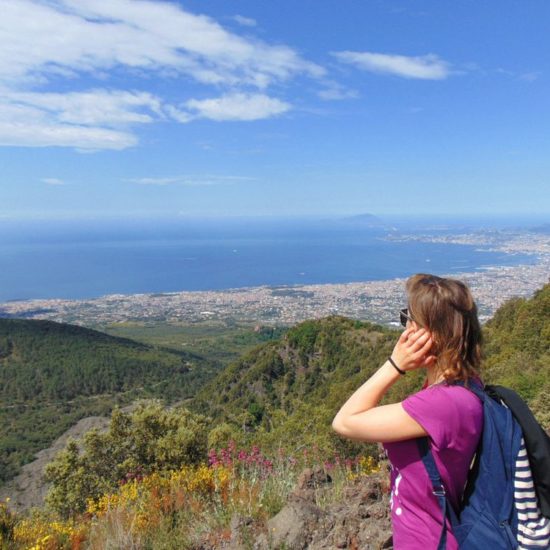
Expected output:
{"points": [[411, 350], [360, 418]]}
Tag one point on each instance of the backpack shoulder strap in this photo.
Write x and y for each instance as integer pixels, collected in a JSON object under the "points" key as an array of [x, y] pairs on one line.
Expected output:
{"points": [[438, 489]]}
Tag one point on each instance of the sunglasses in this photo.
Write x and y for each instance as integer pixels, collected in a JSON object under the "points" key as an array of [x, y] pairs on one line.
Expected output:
{"points": [[404, 317]]}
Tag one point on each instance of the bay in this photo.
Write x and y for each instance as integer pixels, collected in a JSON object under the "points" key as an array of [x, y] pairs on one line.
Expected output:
{"points": [[84, 260]]}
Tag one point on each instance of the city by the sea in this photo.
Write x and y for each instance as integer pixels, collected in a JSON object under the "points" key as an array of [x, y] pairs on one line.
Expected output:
{"points": [[87, 259]]}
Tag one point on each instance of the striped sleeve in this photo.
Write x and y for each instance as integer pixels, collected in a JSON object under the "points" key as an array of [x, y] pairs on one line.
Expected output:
{"points": [[533, 527]]}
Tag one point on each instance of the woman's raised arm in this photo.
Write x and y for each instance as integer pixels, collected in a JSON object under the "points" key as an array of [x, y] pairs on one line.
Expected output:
{"points": [[361, 418]]}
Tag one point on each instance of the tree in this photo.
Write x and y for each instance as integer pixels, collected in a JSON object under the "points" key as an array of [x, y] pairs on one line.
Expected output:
{"points": [[149, 439]]}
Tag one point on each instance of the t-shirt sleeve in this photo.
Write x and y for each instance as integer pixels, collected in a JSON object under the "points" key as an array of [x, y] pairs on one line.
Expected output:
{"points": [[435, 410]]}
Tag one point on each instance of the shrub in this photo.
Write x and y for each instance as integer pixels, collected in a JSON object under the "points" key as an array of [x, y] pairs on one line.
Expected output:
{"points": [[149, 439]]}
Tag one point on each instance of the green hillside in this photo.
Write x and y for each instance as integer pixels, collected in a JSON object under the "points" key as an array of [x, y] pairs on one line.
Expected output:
{"points": [[518, 350], [282, 392], [53, 374], [217, 340], [289, 390]]}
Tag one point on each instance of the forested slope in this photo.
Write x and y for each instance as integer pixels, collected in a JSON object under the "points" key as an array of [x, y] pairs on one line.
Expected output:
{"points": [[289, 390], [283, 392], [53, 374], [517, 350]]}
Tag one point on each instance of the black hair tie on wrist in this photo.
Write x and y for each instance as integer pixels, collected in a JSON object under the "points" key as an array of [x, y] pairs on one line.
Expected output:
{"points": [[400, 371]]}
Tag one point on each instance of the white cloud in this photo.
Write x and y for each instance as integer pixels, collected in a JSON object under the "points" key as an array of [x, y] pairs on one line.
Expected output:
{"points": [[96, 119], [334, 91], [93, 107], [530, 76], [102, 119], [29, 126], [245, 21], [177, 114], [40, 37], [52, 44], [238, 106], [427, 67], [44, 135], [53, 181], [191, 180]]}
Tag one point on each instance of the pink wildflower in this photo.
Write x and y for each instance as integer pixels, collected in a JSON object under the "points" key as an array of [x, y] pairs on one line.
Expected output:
{"points": [[213, 458], [242, 456], [225, 457]]}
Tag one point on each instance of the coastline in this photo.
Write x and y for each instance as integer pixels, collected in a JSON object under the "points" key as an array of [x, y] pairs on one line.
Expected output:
{"points": [[376, 301]]}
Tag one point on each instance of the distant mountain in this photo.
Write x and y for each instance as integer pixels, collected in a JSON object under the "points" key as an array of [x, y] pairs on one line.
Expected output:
{"points": [[365, 220], [53, 374]]}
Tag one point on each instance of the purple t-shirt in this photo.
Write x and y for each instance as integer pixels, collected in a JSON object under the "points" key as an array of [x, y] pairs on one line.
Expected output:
{"points": [[453, 418]]}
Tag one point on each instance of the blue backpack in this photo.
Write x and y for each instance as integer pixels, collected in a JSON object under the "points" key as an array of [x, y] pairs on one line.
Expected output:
{"points": [[488, 518]]}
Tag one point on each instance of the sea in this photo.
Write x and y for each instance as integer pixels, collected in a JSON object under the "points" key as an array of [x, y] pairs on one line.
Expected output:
{"points": [[87, 259]]}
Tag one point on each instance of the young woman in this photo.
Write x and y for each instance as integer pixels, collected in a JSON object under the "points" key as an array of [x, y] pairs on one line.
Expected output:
{"points": [[442, 335]]}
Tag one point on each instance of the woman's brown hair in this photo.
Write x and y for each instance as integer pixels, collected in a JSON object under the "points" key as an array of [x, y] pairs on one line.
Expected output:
{"points": [[446, 308]]}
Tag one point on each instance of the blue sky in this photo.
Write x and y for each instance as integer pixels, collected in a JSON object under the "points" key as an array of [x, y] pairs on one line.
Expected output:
{"points": [[131, 108]]}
